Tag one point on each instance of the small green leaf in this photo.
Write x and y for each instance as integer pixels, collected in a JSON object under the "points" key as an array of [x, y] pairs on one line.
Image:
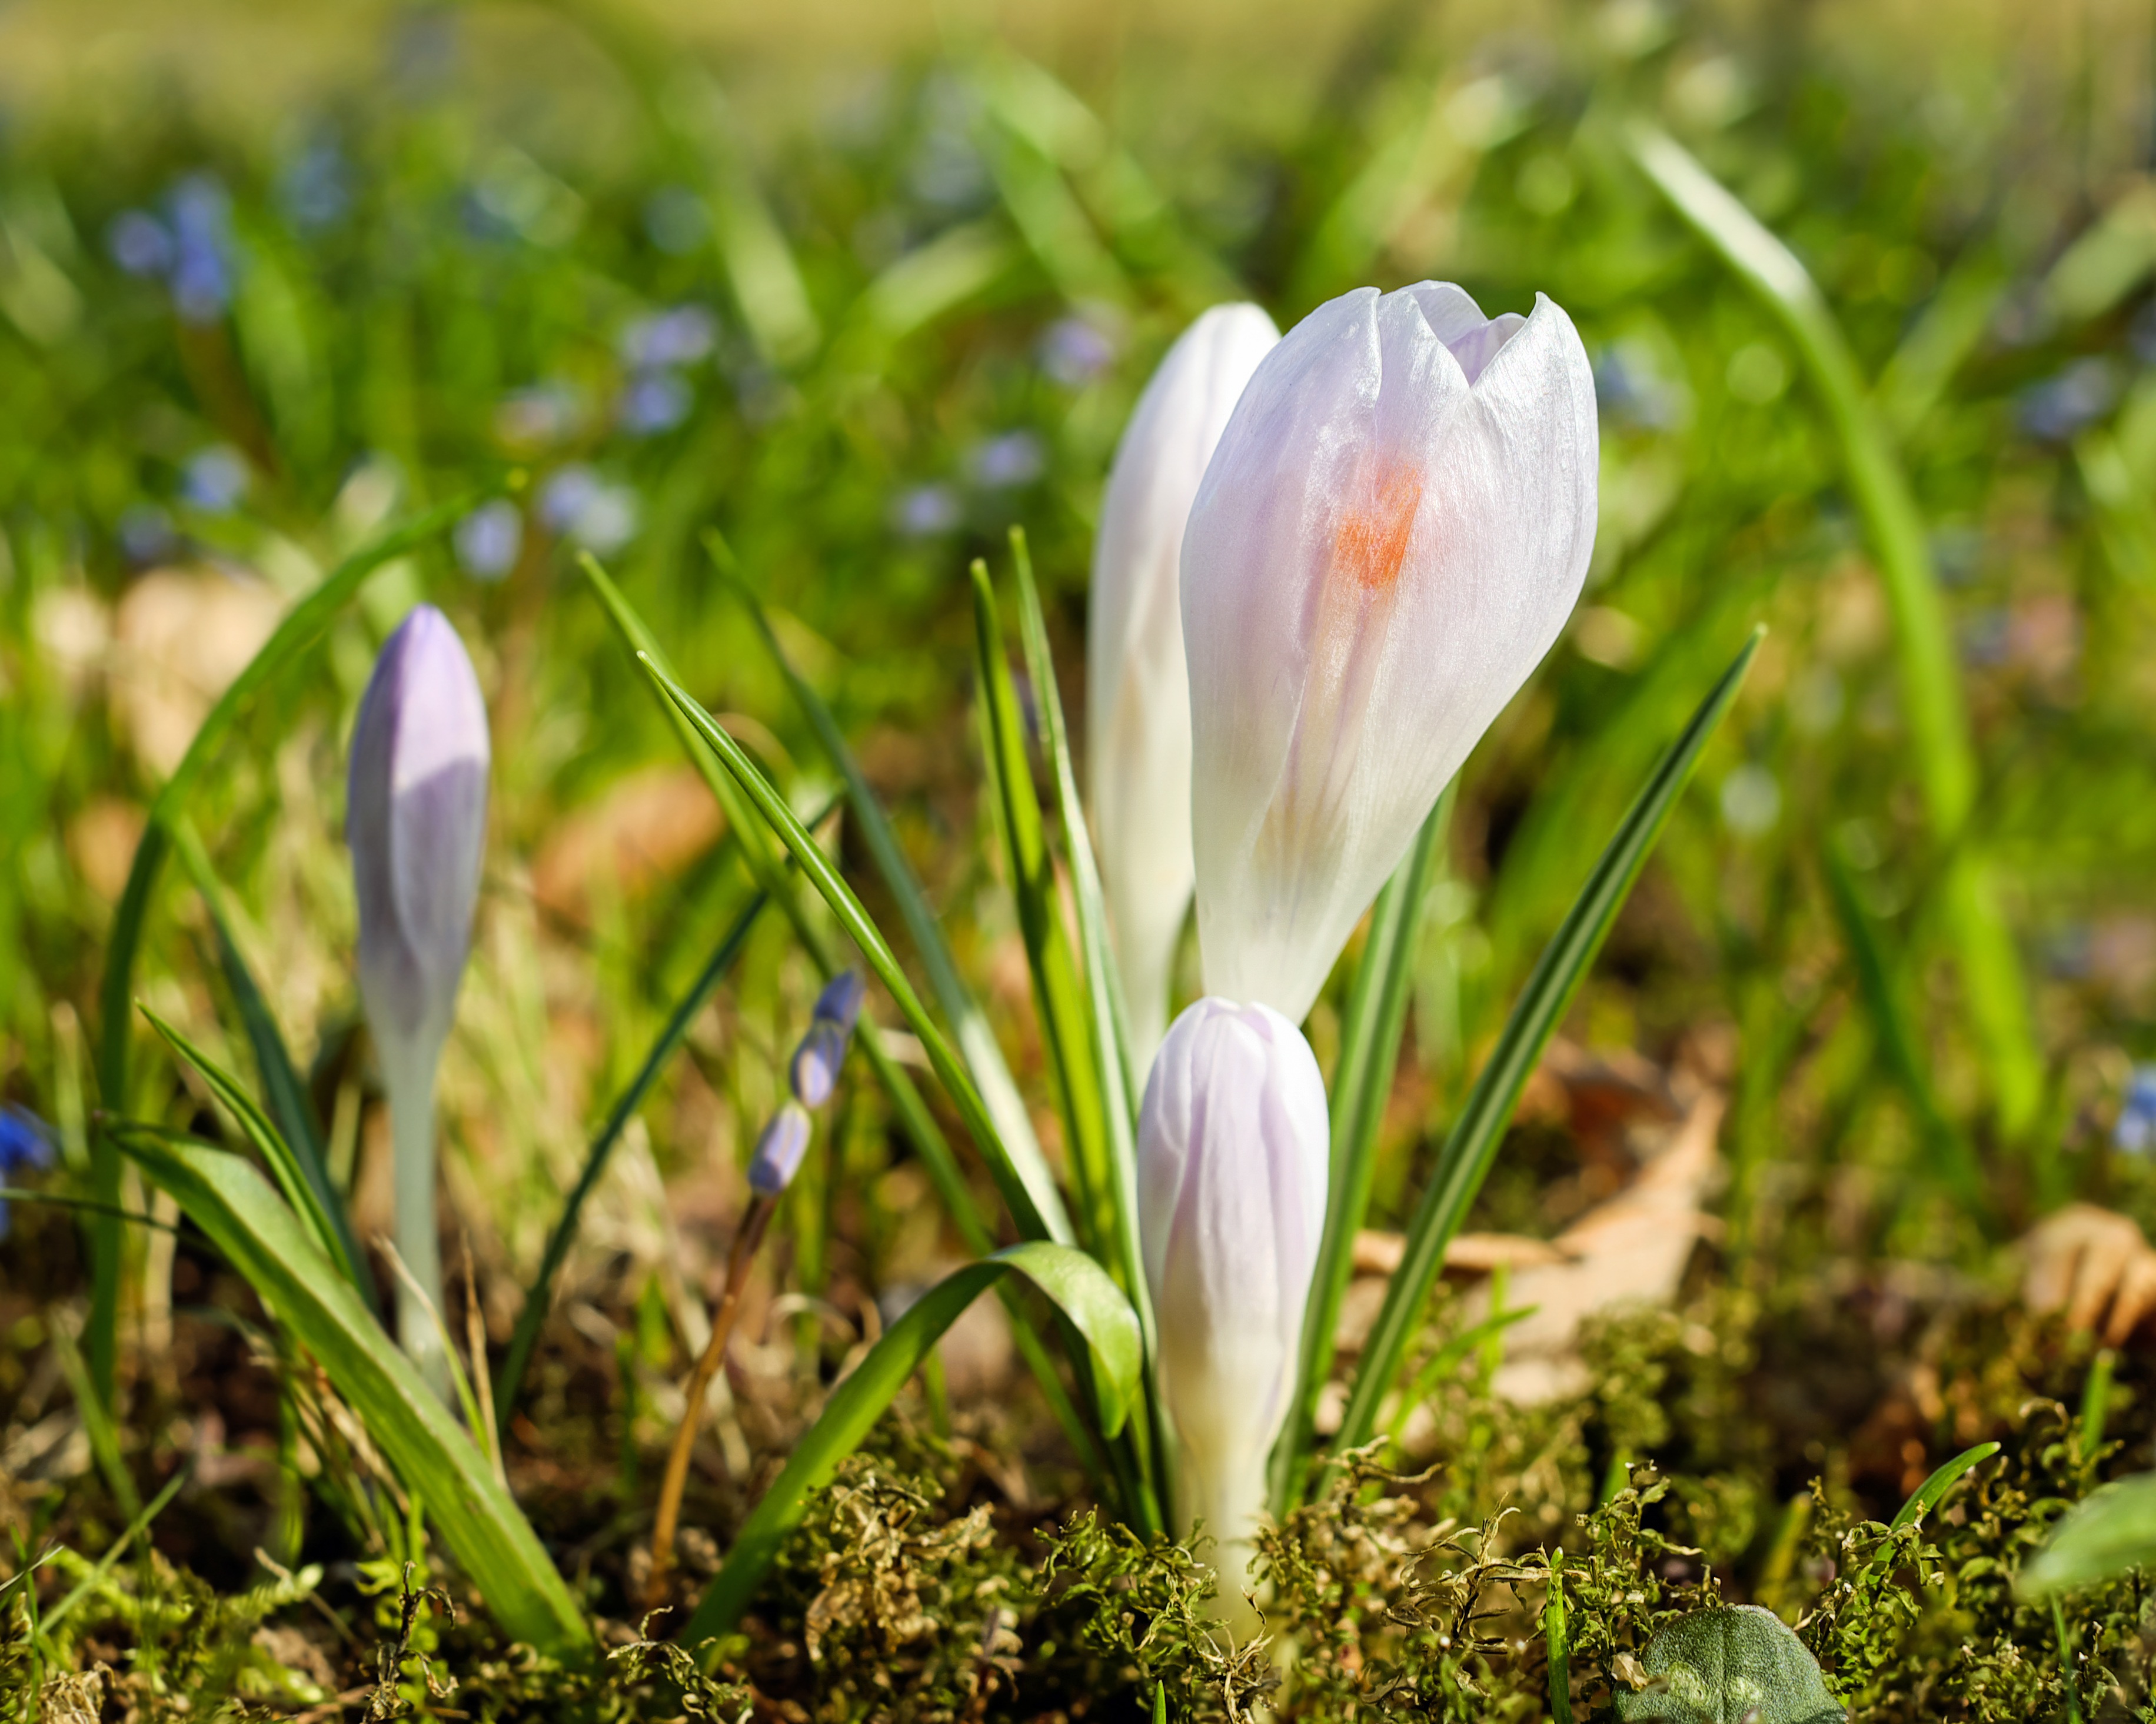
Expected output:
{"points": [[2105, 1534], [1736, 1663], [1080, 1287]]}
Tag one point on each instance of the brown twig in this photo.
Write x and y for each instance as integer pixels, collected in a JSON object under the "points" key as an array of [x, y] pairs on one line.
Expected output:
{"points": [[747, 1239]]}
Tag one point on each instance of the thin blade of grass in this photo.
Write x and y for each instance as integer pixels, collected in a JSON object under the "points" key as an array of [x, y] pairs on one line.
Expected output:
{"points": [[302, 626], [1932, 1491], [479, 1523], [1362, 1081], [284, 1165], [1028, 1191], [136, 1528], [1111, 1037], [539, 1297], [1081, 1289], [284, 1096], [765, 860], [1472, 1145], [969, 1024], [1953, 1160], [1058, 995], [1929, 664]]}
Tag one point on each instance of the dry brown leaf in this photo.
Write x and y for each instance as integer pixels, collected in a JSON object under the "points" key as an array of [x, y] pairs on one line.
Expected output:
{"points": [[2088, 1262], [180, 638]]}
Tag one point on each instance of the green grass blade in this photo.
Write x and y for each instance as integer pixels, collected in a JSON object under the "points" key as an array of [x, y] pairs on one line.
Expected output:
{"points": [[1929, 667], [136, 1528], [284, 1096], [1027, 1190], [1362, 1081], [277, 1155], [1929, 1494], [1058, 994], [969, 1024], [1081, 1289], [1464, 1161], [2095, 1405], [302, 626], [2109, 1532], [766, 865], [98, 1427], [1953, 1162], [1559, 1642], [479, 1523], [1120, 1088], [538, 1299]]}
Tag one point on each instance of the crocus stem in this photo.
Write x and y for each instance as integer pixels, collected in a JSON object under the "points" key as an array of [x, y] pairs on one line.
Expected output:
{"points": [[409, 1078], [749, 1236]]}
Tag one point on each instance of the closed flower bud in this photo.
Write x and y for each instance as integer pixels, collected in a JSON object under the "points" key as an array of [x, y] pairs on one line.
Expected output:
{"points": [[1389, 537], [779, 1151], [1233, 1149], [1138, 692], [416, 822], [816, 1061], [840, 1001]]}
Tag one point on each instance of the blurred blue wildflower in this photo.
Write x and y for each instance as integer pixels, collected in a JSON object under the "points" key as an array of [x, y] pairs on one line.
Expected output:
{"points": [[489, 539], [2058, 408], [1628, 390], [1074, 351], [26, 1145], [201, 215], [813, 1071], [653, 401], [676, 220], [139, 243], [578, 505], [316, 189], [926, 511], [2136, 1130], [215, 480], [145, 532], [779, 1151], [1008, 461], [681, 335]]}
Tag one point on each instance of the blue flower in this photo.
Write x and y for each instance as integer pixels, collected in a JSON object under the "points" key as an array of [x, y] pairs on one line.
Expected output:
{"points": [[201, 215], [578, 505], [2058, 408], [489, 539], [2136, 1130], [655, 401], [139, 243], [1074, 351], [1006, 462], [26, 1143], [679, 336], [316, 188], [215, 480]]}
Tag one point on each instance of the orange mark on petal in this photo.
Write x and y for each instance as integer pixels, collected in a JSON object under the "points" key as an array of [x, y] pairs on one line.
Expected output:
{"points": [[1371, 542]]}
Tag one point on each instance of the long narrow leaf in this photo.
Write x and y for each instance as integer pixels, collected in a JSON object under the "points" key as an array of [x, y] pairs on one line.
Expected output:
{"points": [[479, 1523], [1369, 1056], [1464, 1161], [302, 626], [2109, 1532], [1110, 1038], [539, 1299], [1929, 664], [1080, 1288], [969, 1024], [277, 1155], [765, 860], [284, 1097], [1058, 995], [1027, 1190], [1932, 1491]]}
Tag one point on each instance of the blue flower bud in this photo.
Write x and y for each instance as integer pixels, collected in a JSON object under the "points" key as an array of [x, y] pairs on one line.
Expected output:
{"points": [[779, 1151], [816, 1062], [26, 1142], [840, 1001]]}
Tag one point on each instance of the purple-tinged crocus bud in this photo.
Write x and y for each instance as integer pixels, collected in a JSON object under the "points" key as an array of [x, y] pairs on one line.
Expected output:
{"points": [[1233, 1155], [416, 822], [1138, 720], [1389, 537], [815, 1072], [779, 1151], [840, 1001]]}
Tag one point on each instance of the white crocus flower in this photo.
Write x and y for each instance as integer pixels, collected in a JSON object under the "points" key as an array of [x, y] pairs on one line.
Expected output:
{"points": [[1233, 1150], [1138, 692], [1389, 537], [416, 822]]}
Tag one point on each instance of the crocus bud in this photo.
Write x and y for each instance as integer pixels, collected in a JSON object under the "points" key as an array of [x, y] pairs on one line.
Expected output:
{"points": [[779, 1151], [416, 822], [1389, 537], [814, 1073], [1138, 692], [840, 1001], [1233, 1148]]}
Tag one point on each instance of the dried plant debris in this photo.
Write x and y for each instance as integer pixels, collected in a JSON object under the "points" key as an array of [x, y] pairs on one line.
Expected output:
{"points": [[2094, 1264]]}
